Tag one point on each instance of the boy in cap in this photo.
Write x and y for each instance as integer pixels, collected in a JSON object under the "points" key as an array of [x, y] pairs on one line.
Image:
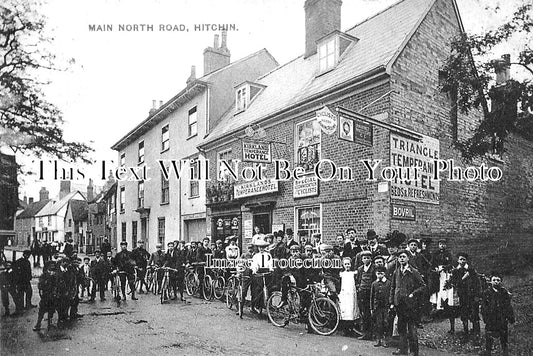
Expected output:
{"points": [[379, 304], [49, 294], [365, 278], [407, 286], [466, 280], [497, 313]]}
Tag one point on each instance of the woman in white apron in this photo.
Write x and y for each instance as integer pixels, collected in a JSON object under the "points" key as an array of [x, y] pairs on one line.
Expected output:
{"points": [[348, 297]]}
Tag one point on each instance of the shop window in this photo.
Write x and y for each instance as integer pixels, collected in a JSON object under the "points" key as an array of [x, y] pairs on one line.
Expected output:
{"points": [[308, 221], [307, 144]]}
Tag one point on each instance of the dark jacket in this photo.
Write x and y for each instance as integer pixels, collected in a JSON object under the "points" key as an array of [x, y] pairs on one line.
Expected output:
{"points": [[157, 258], [364, 279], [140, 256], [467, 283], [68, 249], [173, 259], [124, 262], [442, 258], [496, 309], [22, 269], [379, 294], [404, 284], [105, 248], [201, 252], [100, 269], [351, 249]]}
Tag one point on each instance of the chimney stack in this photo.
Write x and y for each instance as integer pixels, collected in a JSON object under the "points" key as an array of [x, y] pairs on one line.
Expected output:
{"points": [[503, 69], [321, 18], [90, 190], [160, 103], [154, 107], [192, 77], [64, 188], [25, 199], [43, 194], [216, 57], [30, 201]]}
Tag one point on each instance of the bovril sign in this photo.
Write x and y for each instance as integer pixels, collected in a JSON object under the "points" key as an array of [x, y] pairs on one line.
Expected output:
{"points": [[327, 120], [403, 212]]}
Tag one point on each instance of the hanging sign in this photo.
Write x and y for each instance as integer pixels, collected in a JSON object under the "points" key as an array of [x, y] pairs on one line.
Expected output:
{"points": [[327, 120]]}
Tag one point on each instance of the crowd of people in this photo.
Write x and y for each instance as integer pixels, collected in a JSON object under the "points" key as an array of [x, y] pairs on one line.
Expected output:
{"points": [[386, 286]]}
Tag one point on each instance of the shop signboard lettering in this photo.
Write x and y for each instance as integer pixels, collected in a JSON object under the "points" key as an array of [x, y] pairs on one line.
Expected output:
{"points": [[406, 152], [403, 212], [255, 188], [305, 187], [256, 152]]}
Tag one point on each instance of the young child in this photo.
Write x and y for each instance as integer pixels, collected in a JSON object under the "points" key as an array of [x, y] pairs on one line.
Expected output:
{"points": [[348, 297], [497, 312], [84, 275], [48, 291], [379, 304]]}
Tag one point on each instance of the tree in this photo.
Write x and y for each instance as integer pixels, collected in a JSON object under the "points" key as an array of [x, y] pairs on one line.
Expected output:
{"points": [[28, 122], [469, 79]]}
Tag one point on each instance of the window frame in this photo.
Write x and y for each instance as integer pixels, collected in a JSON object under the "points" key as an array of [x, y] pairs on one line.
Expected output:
{"points": [[165, 141], [194, 184], [296, 219], [124, 232], [242, 98], [122, 201], [140, 194], [161, 236], [334, 55], [165, 188], [133, 234], [297, 147], [219, 154], [193, 112], [140, 157]]}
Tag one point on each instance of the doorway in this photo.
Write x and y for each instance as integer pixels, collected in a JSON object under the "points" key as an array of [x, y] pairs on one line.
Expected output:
{"points": [[263, 221]]}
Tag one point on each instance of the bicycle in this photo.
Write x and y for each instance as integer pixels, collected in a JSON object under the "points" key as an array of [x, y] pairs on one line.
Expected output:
{"points": [[166, 288], [192, 281], [322, 315], [151, 279], [115, 286], [264, 294], [234, 292], [219, 284]]}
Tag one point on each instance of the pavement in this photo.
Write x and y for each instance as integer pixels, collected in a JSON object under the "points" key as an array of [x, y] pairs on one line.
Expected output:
{"points": [[197, 327]]}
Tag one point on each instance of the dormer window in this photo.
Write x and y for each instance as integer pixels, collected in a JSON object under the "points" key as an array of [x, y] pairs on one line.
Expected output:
{"points": [[245, 94], [327, 54], [242, 98], [331, 49]]}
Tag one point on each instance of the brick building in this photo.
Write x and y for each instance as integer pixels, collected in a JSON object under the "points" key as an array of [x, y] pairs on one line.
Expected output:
{"points": [[380, 82]]}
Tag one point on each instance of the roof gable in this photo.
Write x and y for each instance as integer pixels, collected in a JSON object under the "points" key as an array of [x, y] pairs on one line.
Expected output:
{"points": [[54, 208], [380, 39], [33, 208]]}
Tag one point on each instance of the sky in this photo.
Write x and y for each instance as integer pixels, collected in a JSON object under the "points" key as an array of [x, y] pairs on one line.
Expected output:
{"points": [[109, 87]]}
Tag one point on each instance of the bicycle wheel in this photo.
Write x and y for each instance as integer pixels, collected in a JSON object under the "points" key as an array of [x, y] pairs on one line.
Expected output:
{"points": [[279, 316], [116, 289], [218, 287], [191, 284], [207, 290], [230, 292], [323, 316], [240, 300], [165, 285]]}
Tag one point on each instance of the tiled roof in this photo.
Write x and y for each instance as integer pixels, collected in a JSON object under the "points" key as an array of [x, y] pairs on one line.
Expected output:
{"points": [[32, 209], [381, 38], [79, 210], [52, 209], [185, 95]]}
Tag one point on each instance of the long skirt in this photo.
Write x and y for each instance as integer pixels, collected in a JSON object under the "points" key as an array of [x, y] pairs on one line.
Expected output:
{"points": [[348, 297]]}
